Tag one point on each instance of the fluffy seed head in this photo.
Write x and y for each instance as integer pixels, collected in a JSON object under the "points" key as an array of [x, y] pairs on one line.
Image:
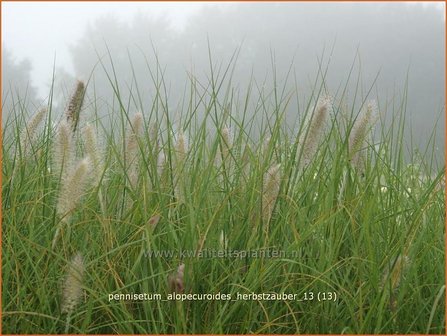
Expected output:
{"points": [[135, 133], [72, 293], [153, 138], [315, 126], [73, 188], [265, 147], [132, 150], [73, 109], [359, 133], [161, 163], [272, 181], [63, 148], [92, 150], [227, 142], [181, 147], [28, 135]]}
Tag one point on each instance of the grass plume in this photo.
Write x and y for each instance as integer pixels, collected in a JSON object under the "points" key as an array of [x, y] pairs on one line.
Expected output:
{"points": [[93, 152], [72, 293], [314, 127], [63, 149], [73, 110], [358, 135], [29, 133], [73, 187]]}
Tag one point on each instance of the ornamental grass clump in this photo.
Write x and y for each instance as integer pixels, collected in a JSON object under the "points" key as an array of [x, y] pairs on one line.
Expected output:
{"points": [[266, 225]]}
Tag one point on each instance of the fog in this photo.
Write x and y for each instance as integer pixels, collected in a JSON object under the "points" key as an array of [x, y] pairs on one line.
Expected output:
{"points": [[384, 51]]}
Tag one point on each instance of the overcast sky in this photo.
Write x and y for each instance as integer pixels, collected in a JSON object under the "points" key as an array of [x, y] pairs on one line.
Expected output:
{"points": [[41, 31], [399, 44]]}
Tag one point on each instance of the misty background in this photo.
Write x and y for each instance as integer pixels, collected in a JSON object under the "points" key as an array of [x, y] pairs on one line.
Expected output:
{"points": [[388, 51]]}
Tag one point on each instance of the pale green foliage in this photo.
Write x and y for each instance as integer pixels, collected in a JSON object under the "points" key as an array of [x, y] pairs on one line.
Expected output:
{"points": [[293, 189]]}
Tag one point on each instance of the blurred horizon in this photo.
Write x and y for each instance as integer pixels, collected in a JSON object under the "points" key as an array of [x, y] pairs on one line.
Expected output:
{"points": [[390, 47]]}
